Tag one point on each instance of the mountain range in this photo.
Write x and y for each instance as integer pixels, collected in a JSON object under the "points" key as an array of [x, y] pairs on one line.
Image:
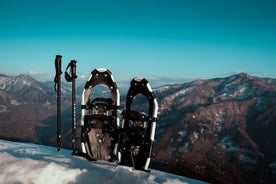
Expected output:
{"points": [[219, 130]]}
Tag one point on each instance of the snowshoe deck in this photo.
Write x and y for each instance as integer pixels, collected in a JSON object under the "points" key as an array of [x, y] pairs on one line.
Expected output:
{"points": [[99, 120], [138, 128]]}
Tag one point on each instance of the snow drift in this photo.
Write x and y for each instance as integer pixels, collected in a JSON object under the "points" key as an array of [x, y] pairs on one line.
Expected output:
{"points": [[31, 163]]}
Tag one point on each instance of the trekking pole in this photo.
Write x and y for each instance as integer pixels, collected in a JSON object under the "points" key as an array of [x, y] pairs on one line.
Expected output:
{"points": [[57, 81], [71, 78]]}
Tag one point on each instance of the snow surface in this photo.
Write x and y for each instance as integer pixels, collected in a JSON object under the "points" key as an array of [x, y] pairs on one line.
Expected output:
{"points": [[32, 163]]}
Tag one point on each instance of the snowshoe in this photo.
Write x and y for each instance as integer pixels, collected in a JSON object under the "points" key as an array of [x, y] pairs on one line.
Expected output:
{"points": [[138, 128], [99, 120]]}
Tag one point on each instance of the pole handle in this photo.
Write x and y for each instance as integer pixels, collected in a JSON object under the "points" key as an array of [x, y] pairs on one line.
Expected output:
{"points": [[71, 75], [58, 70]]}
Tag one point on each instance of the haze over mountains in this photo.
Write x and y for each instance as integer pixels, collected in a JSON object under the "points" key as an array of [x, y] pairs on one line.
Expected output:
{"points": [[218, 130]]}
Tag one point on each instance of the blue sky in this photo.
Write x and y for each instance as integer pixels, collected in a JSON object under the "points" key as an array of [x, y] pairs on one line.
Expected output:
{"points": [[151, 38]]}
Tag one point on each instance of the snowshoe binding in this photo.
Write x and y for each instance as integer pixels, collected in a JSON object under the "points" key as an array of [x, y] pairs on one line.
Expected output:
{"points": [[99, 120], [138, 128]]}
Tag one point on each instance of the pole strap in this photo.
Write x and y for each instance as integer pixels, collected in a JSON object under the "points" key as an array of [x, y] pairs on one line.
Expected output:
{"points": [[69, 76]]}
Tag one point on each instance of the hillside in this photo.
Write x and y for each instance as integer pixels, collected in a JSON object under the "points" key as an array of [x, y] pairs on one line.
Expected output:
{"points": [[24, 103], [220, 129]]}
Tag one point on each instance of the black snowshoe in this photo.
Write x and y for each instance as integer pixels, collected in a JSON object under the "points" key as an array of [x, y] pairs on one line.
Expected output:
{"points": [[138, 128], [99, 120]]}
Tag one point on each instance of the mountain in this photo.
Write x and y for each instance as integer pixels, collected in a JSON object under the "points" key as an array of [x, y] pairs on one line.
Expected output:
{"points": [[24, 104], [32, 163], [218, 130], [28, 89]]}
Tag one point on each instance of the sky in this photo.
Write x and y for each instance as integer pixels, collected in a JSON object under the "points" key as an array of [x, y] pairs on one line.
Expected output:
{"points": [[149, 38]]}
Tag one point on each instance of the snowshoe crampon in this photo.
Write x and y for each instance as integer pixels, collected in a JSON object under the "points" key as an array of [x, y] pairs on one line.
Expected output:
{"points": [[99, 120], [138, 128]]}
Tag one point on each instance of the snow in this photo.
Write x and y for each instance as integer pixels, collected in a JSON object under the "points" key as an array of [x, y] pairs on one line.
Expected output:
{"points": [[162, 88], [32, 163], [228, 145], [182, 133], [247, 159], [15, 102], [187, 146], [196, 135], [3, 108], [185, 91], [26, 83]]}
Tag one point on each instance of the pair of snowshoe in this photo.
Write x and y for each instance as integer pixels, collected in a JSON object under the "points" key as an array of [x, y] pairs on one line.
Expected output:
{"points": [[107, 133]]}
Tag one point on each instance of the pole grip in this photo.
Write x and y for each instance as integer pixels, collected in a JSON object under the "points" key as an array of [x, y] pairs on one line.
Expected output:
{"points": [[58, 65], [73, 69]]}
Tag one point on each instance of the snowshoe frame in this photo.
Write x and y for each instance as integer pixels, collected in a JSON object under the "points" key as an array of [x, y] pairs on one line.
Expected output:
{"points": [[131, 153], [100, 76]]}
